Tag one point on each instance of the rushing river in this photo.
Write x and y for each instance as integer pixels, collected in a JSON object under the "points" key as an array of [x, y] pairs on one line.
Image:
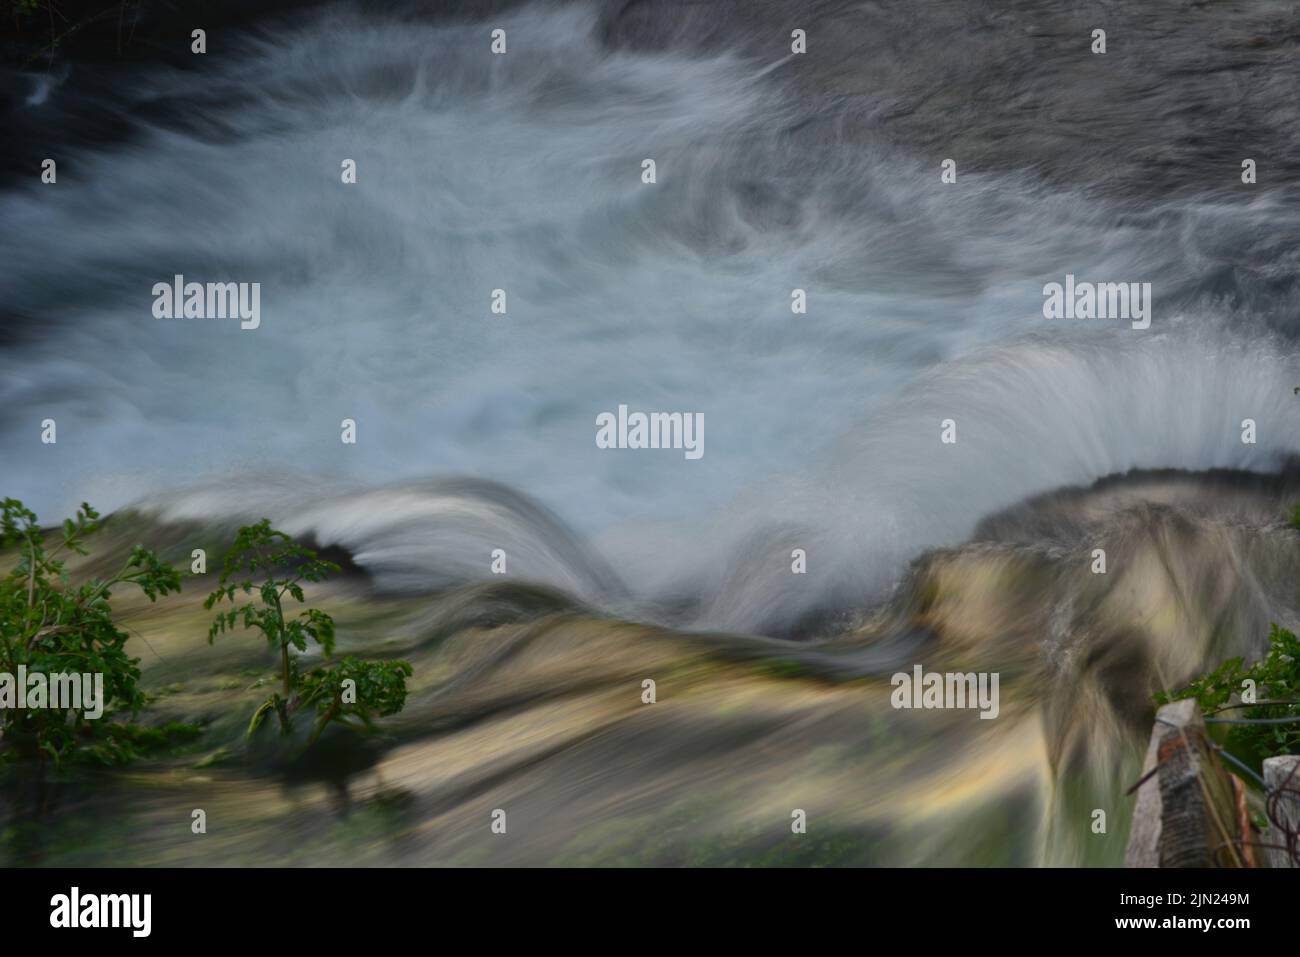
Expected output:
{"points": [[523, 172], [501, 274]]}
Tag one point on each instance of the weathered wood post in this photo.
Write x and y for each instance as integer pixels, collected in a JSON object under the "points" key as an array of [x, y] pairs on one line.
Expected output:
{"points": [[1282, 779], [1185, 814]]}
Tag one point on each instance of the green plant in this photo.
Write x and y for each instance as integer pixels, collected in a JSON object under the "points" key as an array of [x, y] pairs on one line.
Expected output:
{"points": [[259, 551], [351, 689], [52, 627], [1276, 695], [356, 689]]}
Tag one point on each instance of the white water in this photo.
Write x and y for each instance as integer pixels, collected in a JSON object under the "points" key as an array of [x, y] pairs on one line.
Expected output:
{"points": [[523, 172]]}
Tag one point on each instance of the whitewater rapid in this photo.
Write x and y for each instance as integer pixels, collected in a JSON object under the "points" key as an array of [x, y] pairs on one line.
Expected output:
{"points": [[523, 173]]}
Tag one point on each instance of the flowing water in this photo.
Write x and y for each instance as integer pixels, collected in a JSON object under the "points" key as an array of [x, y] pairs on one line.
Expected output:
{"points": [[522, 172]]}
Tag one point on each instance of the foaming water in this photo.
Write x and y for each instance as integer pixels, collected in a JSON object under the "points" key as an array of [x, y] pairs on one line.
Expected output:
{"points": [[418, 536], [523, 173], [1030, 415]]}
